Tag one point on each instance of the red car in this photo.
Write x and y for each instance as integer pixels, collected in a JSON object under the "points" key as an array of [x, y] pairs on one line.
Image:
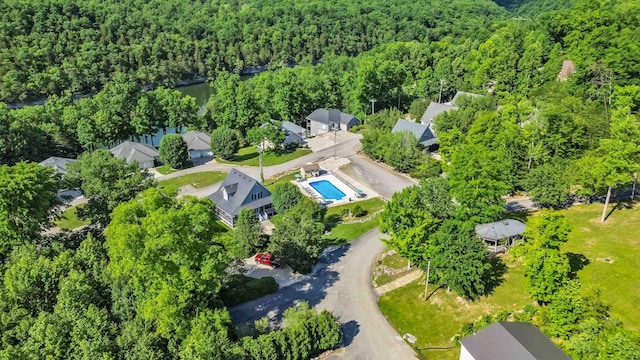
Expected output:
{"points": [[266, 259]]}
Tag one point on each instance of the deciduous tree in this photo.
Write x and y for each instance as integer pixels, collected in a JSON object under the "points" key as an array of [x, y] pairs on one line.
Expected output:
{"points": [[224, 142], [173, 151]]}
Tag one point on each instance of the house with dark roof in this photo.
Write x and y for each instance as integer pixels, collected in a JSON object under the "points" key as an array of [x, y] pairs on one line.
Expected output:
{"points": [[198, 144], [510, 341], [501, 235], [240, 191], [434, 109], [322, 121], [59, 164], [424, 133], [145, 155], [292, 128]]}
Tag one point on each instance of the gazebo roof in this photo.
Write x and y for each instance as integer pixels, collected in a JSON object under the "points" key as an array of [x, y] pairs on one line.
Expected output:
{"points": [[500, 229]]}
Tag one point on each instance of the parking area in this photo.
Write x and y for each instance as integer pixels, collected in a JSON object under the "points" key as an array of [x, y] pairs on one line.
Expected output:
{"points": [[327, 140]]}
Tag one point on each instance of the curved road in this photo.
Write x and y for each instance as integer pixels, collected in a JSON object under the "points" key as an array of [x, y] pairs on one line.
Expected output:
{"points": [[342, 285]]}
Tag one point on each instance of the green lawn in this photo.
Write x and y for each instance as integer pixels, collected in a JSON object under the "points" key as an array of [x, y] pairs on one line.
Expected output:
{"points": [[343, 233], [165, 169], [436, 322], [272, 183], [198, 180], [369, 205], [617, 240], [395, 261], [69, 219], [249, 156]]}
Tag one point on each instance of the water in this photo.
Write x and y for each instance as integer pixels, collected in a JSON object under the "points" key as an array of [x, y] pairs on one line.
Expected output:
{"points": [[327, 190], [199, 91]]}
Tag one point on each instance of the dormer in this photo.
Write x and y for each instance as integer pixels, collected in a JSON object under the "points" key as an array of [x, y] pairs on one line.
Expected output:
{"points": [[228, 191]]}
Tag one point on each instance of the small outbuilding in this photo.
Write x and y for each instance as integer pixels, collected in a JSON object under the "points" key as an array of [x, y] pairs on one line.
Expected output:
{"points": [[501, 235], [310, 170], [509, 341]]}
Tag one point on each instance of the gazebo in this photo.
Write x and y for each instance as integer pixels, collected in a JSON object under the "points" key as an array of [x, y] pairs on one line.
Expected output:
{"points": [[507, 231]]}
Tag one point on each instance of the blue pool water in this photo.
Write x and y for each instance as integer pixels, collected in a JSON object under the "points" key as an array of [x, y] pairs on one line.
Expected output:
{"points": [[327, 190]]}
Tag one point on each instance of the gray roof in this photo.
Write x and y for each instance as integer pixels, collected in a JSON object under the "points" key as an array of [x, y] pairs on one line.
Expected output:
{"points": [[239, 186], [422, 132], [59, 164], [292, 137], [331, 116], [130, 151], [434, 109], [500, 229], [197, 140], [462, 93], [512, 340], [291, 127]]}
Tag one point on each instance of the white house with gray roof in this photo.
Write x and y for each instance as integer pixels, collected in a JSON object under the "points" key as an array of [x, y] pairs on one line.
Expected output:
{"points": [[240, 191], [510, 341], [323, 120], [145, 155], [198, 144], [59, 164], [424, 133]]}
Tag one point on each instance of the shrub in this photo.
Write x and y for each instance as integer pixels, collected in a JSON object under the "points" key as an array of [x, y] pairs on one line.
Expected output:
{"points": [[358, 211], [242, 289], [345, 212]]}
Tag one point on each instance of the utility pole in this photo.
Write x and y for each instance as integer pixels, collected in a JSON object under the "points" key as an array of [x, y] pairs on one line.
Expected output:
{"points": [[373, 106], [426, 286], [335, 141], [260, 150], [440, 96]]}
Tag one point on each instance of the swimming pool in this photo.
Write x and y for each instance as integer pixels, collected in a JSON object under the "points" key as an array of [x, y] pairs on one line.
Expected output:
{"points": [[327, 190]]}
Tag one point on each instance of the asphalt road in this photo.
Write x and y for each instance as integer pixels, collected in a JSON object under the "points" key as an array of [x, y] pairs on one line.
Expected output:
{"points": [[382, 180], [342, 284]]}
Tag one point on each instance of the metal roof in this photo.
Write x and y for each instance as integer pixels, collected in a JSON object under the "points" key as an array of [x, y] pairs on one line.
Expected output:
{"points": [[197, 140], [500, 229], [239, 186], [289, 126], [512, 340], [59, 164], [130, 151]]}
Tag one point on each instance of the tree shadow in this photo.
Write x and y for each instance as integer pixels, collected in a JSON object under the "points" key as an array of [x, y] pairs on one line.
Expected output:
{"points": [[577, 262], [349, 331], [495, 276], [244, 157], [331, 221], [312, 289], [619, 206]]}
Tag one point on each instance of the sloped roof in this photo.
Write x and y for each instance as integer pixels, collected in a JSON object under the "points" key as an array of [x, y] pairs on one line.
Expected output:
{"points": [[331, 116], [462, 93], [289, 126], [239, 186], [311, 167], [130, 151], [512, 340], [422, 132], [292, 137], [197, 140], [59, 164], [500, 229], [433, 110]]}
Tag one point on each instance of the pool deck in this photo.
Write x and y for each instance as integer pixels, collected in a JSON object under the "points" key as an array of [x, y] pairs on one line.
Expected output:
{"points": [[347, 188]]}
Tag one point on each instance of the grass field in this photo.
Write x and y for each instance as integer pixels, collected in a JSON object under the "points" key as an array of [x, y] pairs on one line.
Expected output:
{"points": [[197, 180], [272, 183], [617, 240], [249, 156], [436, 322], [369, 205], [69, 219], [342, 233], [165, 169]]}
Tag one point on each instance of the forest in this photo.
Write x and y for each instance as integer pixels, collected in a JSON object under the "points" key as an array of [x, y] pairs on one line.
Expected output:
{"points": [[61, 47], [85, 296]]}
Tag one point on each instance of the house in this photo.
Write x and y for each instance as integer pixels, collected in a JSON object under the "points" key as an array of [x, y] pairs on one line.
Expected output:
{"points": [[322, 121], [292, 128], [568, 69], [198, 144], [424, 133], [434, 109], [239, 191], [145, 155], [506, 231], [310, 170], [59, 164], [510, 341]]}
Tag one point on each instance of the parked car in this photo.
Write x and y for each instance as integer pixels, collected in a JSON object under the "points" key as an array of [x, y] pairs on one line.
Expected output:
{"points": [[266, 259]]}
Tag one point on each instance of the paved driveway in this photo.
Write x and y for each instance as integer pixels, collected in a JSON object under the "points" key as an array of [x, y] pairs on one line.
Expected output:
{"points": [[381, 179], [343, 286]]}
